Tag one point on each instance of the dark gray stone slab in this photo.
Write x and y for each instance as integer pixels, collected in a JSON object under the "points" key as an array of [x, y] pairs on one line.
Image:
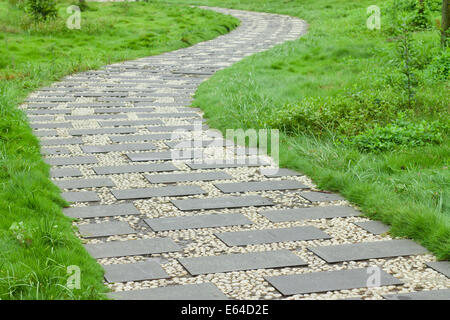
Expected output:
{"points": [[442, 294], [96, 117], [202, 291], [105, 229], [42, 105], [328, 281], [152, 167], [244, 238], [131, 247], [163, 155], [123, 209], [61, 141], [49, 111], [259, 186], [45, 133], [54, 150], [221, 203], [82, 132], [141, 137], [223, 164], [140, 271], [320, 196], [65, 172], [241, 262], [51, 125], [299, 214], [368, 250], [85, 183], [124, 110], [117, 123], [169, 115], [67, 161], [118, 147], [185, 144], [279, 172], [176, 128], [96, 105], [181, 177], [375, 227], [171, 191], [81, 196], [40, 118], [440, 266], [199, 221]]}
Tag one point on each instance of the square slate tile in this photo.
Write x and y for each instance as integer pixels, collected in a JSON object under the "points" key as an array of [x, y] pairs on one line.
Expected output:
{"points": [[85, 183], [143, 193], [123, 209], [202, 291], [375, 227], [441, 267], [314, 196], [65, 172], [105, 229], [198, 221], [68, 161], [113, 249], [269, 185], [124, 272], [442, 294], [244, 238], [313, 282], [221, 203], [368, 250], [181, 177], [81, 196], [310, 213], [241, 262], [153, 167], [118, 147]]}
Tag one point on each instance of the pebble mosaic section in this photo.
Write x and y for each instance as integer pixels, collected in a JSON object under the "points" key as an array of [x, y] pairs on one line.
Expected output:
{"points": [[171, 210]]}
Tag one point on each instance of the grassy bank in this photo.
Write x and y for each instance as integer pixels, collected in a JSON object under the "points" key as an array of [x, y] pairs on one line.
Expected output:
{"points": [[37, 242], [348, 115]]}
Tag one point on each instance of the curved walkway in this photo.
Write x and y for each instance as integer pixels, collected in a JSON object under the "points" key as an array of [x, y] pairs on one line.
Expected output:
{"points": [[167, 227]]}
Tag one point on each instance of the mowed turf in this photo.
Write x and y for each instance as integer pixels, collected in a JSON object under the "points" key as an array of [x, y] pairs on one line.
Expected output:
{"points": [[407, 187], [37, 243]]}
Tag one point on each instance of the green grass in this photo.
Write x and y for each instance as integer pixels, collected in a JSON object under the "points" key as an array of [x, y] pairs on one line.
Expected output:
{"points": [[35, 254], [343, 68]]}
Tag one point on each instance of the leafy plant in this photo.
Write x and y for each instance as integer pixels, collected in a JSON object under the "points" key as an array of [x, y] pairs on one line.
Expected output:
{"points": [[406, 62], [21, 233], [401, 133], [439, 68], [41, 10]]}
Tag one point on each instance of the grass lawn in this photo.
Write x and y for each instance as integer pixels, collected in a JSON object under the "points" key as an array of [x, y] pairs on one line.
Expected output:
{"points": [[37, 242], [338, 96]]}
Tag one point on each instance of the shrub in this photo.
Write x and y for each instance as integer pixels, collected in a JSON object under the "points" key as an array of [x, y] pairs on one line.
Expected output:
{"points": [[41, 10], [401, 133], [439, 68], [343, 114]]}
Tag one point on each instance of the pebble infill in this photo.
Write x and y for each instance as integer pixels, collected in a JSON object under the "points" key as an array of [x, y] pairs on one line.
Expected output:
{"points": [[170, 233]]}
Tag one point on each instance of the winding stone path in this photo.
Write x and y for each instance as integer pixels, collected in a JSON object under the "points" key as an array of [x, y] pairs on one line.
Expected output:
{"points": [[120, 142]]}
